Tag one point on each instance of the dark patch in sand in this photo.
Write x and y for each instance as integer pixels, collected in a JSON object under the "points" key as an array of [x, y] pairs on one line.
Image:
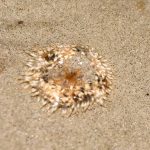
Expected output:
{"points": [[140, 5], [147, 94], [2, 65], [20, 22]]}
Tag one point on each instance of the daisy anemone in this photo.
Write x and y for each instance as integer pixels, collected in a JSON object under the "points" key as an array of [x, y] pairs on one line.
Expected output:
{"points": [[68, 77]]}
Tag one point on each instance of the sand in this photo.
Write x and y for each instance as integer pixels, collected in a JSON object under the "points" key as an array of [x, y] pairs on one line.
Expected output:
{"points": [[120, 31]]}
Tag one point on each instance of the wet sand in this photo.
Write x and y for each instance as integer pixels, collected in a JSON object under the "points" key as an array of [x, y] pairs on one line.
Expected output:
{"points": [[120, 31]]}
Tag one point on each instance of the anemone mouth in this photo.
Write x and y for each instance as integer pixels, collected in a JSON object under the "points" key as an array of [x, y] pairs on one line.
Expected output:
{"points": [[68, 77]]}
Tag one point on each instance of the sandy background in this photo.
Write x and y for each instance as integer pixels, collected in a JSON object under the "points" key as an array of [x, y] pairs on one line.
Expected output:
{"points": [[120, 31]]}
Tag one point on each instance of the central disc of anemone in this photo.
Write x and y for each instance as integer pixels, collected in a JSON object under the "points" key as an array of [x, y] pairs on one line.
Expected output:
{"points": [[75, 71], [69, 78]]}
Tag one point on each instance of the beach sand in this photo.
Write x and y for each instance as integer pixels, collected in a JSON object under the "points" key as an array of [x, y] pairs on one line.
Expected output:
{"points": [[120, 31]]}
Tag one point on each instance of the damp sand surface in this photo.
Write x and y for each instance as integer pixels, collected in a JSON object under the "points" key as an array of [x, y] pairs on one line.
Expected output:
{"points": [[119, 31]]}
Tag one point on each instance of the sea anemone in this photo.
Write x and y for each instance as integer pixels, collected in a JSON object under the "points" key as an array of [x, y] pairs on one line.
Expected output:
{"points": [[68, 77]]}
